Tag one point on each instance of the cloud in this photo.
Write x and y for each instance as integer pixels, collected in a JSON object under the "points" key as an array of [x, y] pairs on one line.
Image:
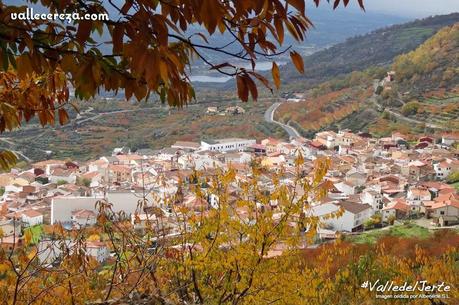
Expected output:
{"points": [[415, 8]]}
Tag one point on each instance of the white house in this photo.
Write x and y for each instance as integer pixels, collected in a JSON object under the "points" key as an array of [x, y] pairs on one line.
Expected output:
{"points": [[355, 214], [84, 217], [327, 138], [345, 188], [397, 209], [449, 139], [416, 196], [444, 168], [63, 206], [49, 250], [373, 198], [13, 188], [31, 217], [239, 157], [356, 178], [98, 250], [60, 174], [227, 144]]}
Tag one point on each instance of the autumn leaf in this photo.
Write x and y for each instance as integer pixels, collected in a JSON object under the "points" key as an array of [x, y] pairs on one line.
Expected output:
{"points": [[118, 33], [262, 79], [242, 89], [335, 4], [279, 29], [63, 116], [276, 75], [298, 4], [84, 31], [297, 61], [252, 87], [28, 237], [7, 159]]}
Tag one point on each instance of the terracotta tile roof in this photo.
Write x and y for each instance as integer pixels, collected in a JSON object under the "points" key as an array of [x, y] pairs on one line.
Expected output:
{"points": [[352, 207], [399, 205], [83, 214], [128, 157], [90, 175], [442, 204], [32, 213], [120, 168]]}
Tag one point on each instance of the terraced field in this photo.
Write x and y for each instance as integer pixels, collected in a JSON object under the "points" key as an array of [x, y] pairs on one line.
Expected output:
{"points": [[322, 111], [440, 111]]}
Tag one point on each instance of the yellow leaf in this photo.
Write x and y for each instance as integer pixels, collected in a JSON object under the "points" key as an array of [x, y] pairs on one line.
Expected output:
{"points": [[27, 237]]}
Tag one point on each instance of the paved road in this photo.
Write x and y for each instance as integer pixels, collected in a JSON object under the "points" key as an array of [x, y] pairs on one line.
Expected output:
{"points": [[409, 120], [398, 114], [17, 152], [404, 118], [269, 117]]}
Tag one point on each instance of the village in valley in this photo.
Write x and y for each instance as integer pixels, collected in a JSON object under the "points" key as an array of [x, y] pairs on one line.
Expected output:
{"points": [[376, 183]]}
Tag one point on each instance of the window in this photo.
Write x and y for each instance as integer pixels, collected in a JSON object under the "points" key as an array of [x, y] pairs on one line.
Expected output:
{"points": [[442, 212]]}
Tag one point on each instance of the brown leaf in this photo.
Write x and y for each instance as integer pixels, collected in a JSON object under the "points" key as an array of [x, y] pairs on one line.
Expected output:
{"points": [[163, 71], [126, 7], [242, 90], [63, 116], [335, 5], [252, 87], [118, 33], [140, 92], [279, 29], [262, 79], [276, 75], [84, 30], [297, 61], [298, 4]]}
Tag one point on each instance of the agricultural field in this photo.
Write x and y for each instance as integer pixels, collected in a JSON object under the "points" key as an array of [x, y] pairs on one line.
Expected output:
{"points": [[106, 125], [442, 111], [324, 110], [406, 231]]}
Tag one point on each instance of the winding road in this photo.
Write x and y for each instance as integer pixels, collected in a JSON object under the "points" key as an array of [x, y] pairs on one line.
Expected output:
{"points": [[398, 114], [269, 117]]}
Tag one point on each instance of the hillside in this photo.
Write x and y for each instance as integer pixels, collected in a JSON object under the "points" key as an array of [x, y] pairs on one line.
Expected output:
{"points": [[104, 125], [361, 52], [426, 81], [435, 64], [423, 94], [339, 102]]}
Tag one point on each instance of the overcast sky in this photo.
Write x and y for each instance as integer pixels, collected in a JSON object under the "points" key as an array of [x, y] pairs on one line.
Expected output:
{"points": [[412, 8]]}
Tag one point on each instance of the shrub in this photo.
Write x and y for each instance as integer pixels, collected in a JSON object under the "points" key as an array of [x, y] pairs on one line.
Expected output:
{"points": [[369, 224], [453, 177], [61, 182], [410, 108], [391, 219]]}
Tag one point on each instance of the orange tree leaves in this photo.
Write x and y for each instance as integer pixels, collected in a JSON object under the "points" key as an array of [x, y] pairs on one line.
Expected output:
{"points": [[151, 48]]}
